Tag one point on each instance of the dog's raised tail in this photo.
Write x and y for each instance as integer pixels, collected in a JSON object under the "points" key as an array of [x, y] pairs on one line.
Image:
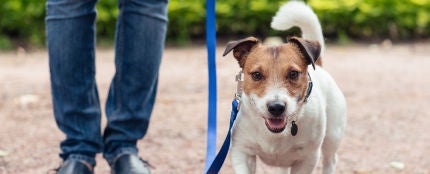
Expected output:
{"points": [[297, 13]]}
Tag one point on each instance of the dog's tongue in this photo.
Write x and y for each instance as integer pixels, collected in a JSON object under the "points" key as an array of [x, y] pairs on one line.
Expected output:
{"points": [[275, 123]]}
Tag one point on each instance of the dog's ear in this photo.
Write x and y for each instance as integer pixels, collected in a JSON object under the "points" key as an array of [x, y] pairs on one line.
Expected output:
{"points": [[310, 49], [241, 48]]}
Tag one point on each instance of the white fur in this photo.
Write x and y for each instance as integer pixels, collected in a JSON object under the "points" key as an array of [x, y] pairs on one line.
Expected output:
{"points": [[321, 121]]}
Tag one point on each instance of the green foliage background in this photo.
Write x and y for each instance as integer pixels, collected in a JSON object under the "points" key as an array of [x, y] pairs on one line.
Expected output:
{"points": [[22, 21]]}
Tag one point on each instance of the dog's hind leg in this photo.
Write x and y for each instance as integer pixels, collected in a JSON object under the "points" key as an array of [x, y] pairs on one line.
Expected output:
{"points": [[336, 122], [329, 148], [329, 163]]}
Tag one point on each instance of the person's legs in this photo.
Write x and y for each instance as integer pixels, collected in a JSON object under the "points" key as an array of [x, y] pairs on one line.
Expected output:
{"points": [[140, 36], [70, 27]]}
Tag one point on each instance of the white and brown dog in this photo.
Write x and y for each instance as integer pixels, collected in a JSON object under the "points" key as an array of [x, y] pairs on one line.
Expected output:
{"points": [[291, 110]]}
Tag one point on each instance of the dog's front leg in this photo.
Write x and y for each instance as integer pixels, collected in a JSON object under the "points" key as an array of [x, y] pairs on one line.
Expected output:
{"points": [[242, 163], [307, 165]]}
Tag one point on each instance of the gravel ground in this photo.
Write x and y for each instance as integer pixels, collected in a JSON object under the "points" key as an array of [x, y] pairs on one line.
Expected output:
{"points": [[386, 87]]}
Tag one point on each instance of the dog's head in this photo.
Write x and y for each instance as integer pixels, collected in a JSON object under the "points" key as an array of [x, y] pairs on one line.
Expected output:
{"points": [[275, 77]]}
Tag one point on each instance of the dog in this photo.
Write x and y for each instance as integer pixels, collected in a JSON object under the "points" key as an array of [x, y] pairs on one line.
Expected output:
{"points": [[291, 110]]}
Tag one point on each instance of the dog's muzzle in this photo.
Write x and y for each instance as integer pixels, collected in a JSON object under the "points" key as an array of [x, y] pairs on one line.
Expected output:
{"points": [[277, 122]]}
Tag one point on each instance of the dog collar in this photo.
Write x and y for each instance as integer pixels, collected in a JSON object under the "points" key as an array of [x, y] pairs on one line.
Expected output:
{"points": [[309, 90]]}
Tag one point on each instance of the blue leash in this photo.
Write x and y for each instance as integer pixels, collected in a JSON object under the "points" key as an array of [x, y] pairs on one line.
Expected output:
{"points": [[219, 160], [212, 103]]}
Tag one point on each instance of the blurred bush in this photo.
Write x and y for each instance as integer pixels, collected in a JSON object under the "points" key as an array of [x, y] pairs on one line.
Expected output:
{"points": [[22, 21], [341, 19], [374, 19], [234, 18]]}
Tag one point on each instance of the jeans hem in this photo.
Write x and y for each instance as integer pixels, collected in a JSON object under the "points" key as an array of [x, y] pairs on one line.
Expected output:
{"points": [[79, 157], [110, 158]]}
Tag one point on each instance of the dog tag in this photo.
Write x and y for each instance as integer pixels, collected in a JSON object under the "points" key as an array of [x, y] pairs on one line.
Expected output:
{"points": [[294, 128]]}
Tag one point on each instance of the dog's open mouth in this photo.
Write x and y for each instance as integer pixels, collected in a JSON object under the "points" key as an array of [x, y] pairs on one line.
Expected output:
{"points": [[276, 125]]}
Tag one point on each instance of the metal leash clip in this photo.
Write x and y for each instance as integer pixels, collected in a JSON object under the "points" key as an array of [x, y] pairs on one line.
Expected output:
{"points": [[239, 80]]}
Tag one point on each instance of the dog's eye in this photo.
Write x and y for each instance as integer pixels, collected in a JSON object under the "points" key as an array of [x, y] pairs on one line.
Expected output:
{"points": [[293, 75], [256, 76]]}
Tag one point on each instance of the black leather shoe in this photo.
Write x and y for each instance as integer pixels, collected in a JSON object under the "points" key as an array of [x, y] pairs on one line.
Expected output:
{"points": [[75, 167], [130, 164]]}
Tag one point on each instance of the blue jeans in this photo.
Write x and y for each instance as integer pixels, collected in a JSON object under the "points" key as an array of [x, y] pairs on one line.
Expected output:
{"points": [[140, 35]]}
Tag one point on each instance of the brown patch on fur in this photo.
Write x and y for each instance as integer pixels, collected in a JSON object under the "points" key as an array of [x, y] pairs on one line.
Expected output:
{"points": [[275, 63], [309, 49], [241, 48], [295, 61]]}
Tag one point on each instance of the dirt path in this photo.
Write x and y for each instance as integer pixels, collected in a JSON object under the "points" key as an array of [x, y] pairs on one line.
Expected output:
{"points": [[387, 91]]}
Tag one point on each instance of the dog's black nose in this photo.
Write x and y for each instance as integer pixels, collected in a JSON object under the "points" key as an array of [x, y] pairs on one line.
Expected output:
{"points": [[276, 108]]}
